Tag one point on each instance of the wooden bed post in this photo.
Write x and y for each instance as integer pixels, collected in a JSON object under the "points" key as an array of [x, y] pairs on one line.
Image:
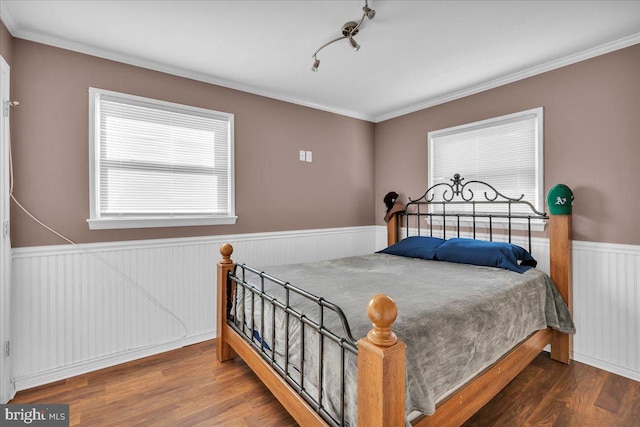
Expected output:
{"points": [[381, 368], [560, 201], [560, 241], [392, 230], [223, 349]]}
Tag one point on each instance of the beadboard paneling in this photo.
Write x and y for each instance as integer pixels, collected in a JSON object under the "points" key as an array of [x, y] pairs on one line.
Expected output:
{"points": [[75, 313], [606, 306], [81, 308]]}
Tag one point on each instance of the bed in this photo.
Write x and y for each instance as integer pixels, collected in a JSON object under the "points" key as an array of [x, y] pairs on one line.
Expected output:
{"points": [[455, 347]]}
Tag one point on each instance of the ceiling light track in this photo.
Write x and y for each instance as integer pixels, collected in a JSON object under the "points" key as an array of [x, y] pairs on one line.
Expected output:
{"points": [[349, 30]]}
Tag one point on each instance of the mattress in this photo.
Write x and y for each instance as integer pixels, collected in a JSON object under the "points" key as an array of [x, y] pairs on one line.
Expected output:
{"points": [[456, 320]]}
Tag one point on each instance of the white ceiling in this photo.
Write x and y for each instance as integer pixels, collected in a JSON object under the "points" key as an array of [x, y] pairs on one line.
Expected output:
{"points": [[414, 53]]}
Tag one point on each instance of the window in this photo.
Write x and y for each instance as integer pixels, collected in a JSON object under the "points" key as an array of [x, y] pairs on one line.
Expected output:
{"points": [[158, 164], [506, 152]]}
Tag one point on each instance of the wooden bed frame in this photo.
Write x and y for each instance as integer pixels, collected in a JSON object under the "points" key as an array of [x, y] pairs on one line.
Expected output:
{"points": [[381, 356]]}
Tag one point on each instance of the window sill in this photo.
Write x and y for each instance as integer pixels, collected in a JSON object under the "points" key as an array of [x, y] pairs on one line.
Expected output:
{"points": [[147, 222]]}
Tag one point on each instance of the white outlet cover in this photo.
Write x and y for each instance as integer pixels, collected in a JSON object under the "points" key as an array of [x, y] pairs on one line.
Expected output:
{"points": [[309, 157]]}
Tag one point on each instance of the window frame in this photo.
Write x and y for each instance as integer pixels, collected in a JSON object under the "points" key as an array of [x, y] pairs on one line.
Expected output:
{"points": [[98, 222], [539, 202]]}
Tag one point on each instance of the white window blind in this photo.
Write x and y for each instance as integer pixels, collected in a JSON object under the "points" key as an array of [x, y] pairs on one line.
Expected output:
{"points": [[155, 160], [505, 152]]}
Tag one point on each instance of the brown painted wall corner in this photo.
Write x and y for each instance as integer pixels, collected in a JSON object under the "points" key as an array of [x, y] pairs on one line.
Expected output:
{"points": [[591, 140], [274, 190], [6, 44]]}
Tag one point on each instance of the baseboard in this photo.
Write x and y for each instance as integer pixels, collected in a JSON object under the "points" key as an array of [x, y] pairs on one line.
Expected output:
{"points": [[64, 372], [607, 366]]}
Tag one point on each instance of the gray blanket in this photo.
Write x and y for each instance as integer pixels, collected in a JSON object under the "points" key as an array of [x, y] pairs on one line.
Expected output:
{"points": [[456, 320]]}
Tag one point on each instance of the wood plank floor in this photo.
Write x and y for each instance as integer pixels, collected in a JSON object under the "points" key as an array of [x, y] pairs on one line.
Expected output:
{"points": [[188, 387]]}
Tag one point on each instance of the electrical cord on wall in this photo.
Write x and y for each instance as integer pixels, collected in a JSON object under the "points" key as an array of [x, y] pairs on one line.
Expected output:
{"points": [[126, 278]]}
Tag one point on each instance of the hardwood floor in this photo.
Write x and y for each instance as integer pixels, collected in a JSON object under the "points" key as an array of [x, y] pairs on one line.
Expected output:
{"points": [[548, 393], [188, 387], [184, 387]]}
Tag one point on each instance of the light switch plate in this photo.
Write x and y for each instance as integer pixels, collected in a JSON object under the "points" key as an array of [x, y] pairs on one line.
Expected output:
{"points": [[303, 154], [309, 158]]}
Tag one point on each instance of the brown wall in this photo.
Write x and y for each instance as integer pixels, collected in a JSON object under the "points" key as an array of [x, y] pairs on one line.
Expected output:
{"points": [[591, 140], [6, 44], [274, 190], [592, 144]]}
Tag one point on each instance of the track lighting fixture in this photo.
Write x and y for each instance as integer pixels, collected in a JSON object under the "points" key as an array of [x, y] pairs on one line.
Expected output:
{"points": [[368, 11], [349, 30], [316, 64]]}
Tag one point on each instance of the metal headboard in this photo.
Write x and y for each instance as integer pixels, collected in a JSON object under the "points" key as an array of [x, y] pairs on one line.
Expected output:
{"points": [[459, 194]]}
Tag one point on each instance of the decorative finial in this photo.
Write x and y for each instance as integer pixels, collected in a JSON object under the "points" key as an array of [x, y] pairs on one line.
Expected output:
{"points": [[382, 311], [226, 250], [457, 181]]}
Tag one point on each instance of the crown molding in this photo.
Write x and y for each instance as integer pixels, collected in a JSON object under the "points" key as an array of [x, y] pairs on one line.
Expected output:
{"points": [[86, 49], [47, 39], [519, 75]]}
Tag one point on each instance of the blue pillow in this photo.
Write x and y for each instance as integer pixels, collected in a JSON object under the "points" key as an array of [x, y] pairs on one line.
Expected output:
{"points": [[415, 247], [491, 254]]}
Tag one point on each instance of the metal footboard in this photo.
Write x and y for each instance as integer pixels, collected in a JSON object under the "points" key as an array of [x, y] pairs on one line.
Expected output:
{"points": [[245, 298]]}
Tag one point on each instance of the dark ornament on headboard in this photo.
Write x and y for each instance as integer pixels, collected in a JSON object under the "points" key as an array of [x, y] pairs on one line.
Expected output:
{"points": [[390, 199], [393, 206]]}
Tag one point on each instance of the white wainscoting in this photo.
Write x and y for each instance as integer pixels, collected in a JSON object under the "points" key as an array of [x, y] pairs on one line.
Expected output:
{"points": [[606, 306], [77, 309]]}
